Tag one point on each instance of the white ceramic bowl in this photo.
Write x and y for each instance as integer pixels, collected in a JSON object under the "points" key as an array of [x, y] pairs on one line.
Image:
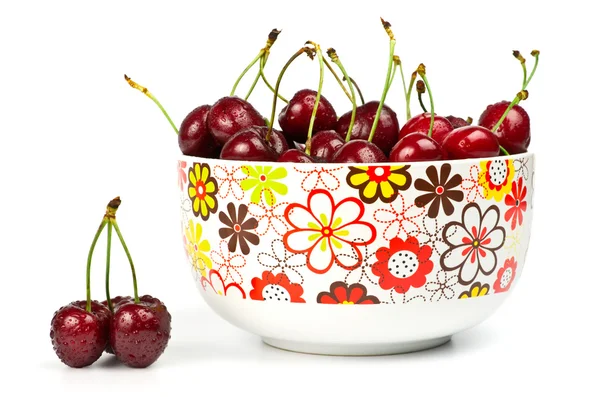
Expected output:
{"points": [[356, 259]]}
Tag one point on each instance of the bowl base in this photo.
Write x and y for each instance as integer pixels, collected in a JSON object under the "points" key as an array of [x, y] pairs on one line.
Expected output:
{"points": [[378, 349]]}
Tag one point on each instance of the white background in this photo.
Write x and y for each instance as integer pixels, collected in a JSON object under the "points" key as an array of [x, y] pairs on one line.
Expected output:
{"points": [[73, 135]]}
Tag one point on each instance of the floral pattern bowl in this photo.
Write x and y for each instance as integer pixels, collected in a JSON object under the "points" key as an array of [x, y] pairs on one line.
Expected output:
{"points": [[356, 259]]}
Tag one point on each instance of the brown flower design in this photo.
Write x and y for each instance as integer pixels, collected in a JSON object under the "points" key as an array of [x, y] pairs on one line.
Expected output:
{"points": [[439, 190], [238, 228], [341, 293]]}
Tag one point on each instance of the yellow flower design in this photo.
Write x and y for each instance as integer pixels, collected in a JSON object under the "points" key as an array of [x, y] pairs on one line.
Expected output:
{"points": [[196, 248], [496, 177], [475, 291], [264, 180], [379, 182], [202, 190]]}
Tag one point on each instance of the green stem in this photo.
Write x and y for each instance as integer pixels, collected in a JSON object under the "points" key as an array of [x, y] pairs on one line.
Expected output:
{"points": [[362, 99], [317, 98], [337, 78], [386, 87], [262, 60], [135, 287], [420, 92], [107, 278], [393, 73], [413, 77], [264, 78], [536, 54], [258, 57], [145, 91], [521, 96], [335, 59], [504, 151], [421, 71], [520, 58], [88, 290], [403, 80]]}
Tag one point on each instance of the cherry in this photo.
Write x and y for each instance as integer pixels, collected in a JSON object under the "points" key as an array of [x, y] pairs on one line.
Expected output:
{"points": [[471, 142], [417, 147], [277, 140], [79, 336], [421, 123], [324, 144], [458, 122], [294, 118], [248, 145], [140, 332], [194, 137], [386, 133], [295, 156], [116, 302], [230, 115], [359, 151]]}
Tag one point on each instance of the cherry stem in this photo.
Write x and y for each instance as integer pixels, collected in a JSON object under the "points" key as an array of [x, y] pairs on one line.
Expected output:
{"points": [[241, 76], [413, 77], [387, 26], [421, 91], [262, 62], [309, 52], [536, 54], [520, 58], [133, 276], [88, 306], [107, 279], [145, 91], [521, 96], [362, 99], [337, 78], [469, 120], [399, 63], [264, 78], [313, 117], [335, 59], [421, 72]]}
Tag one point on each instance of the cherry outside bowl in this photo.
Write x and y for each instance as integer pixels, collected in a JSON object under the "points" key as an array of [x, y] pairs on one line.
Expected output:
{"points": [[356, 259]]}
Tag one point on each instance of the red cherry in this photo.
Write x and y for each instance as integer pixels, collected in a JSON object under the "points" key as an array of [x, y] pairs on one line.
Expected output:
{"points": [[294, 118], [422, 122], [295, 156], [277, 141], [471, 142], [116, 302], [194, 137], [417, 147], [458, 122], [514, 133], [230, 115], [386, 133], [324, 144], [358, 151], [248, 145]]}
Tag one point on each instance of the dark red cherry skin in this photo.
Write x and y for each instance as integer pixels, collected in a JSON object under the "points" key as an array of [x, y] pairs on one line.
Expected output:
{"points": [[386, 133], [421, 123], [417, 147], [248, 145], [277, 140], [294, 156], [470, 142], [324, 144], [116, 302], [359, 151], [194, 137], [140, 332], [294, 118], [514, 133], [78, 337], [457, 122], [230, 115]]}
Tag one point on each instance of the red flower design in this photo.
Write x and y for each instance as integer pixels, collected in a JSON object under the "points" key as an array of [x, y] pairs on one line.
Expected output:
{"points": [[181, 171], [341, 293], [328, 232], [506, 275], [403, 265], [516, 202], [276, 288], [215, 281]]}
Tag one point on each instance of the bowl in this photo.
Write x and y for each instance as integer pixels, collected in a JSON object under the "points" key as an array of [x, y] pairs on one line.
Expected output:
{"points": [[356, 259]]}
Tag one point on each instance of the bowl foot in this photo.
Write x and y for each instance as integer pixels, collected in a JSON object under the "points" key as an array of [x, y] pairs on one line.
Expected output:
{"points": [[356, 349]]}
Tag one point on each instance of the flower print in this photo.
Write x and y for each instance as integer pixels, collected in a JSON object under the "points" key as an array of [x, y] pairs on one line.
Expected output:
{"points": [[473, 243], [238, 228], [363, 270], [196, 248], [506, 276], [379, 182], [264, 181], [276, 288], [403, 265], [512, 243], [229, 181], [182, 177], [325, 230], [202, 190], [401, 219], [522, 168], [496, 177], [228, 264], [282, 260], [319, 178], [471, 185], [442, 286], [475, 291], [431, 234], [516, 202], [439, 190], [344, 294], [218, 286], [269, 217]]}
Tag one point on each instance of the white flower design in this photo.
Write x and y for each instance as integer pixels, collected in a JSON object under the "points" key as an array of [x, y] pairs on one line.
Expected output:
{"points": [[401, 219]]}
